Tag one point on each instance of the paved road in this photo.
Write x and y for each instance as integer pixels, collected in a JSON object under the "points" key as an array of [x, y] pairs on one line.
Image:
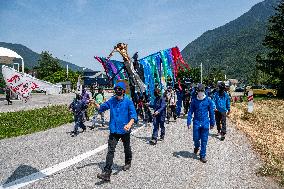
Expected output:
{"points": [[169, 164]]}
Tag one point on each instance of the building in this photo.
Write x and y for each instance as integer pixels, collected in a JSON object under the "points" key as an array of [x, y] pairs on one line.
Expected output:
{"points": [[97, 78]]}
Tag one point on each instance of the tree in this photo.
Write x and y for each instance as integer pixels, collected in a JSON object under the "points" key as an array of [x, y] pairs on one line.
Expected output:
{"points": [[193, 74], [61, 75], [47, 65], [273, 62]]}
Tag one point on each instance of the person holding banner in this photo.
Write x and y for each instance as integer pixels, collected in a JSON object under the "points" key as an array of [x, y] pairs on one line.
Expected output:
{"points": [[222, 102], [122, 117]]}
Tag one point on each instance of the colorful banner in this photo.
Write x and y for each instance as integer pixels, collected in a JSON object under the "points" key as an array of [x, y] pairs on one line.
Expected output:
{"points": [[158, 68], [23, 84]]}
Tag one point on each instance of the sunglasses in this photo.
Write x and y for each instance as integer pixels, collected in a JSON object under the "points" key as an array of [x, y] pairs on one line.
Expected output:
{"points": [[118, 89]]}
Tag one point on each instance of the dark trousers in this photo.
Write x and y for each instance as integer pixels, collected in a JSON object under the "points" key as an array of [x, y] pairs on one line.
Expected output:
{"points": [[112, 142], [8, 99], [221, 119], [78, 122], [157, 123], [171, 111]]}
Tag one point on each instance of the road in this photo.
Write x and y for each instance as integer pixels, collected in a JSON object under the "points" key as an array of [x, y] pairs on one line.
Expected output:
{"points": [[49, 157]]}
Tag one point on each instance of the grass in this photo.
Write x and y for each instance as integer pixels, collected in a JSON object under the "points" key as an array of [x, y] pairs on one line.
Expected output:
{"points": [[14, 124], [265, 129]]}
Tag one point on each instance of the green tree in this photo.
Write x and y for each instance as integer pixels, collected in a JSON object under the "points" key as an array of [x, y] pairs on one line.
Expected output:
{"points": [[47, 65], [193, 73], [214, 76], [61, 75], [273, 62]]}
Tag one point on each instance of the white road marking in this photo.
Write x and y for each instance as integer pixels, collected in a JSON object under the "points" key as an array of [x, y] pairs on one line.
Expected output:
{"points": [[53, 169]]}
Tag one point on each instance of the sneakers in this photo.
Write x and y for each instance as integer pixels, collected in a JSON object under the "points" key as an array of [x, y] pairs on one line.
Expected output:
{"points": [[126, 167], [203, 159], [161, 138], [195, 150], [153, 142], [104, 176]]}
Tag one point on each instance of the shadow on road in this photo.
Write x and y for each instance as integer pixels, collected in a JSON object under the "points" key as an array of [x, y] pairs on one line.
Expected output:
{"points": [[115, 168], [185, 154], [25, 173], [214, 136], [145, 139]]}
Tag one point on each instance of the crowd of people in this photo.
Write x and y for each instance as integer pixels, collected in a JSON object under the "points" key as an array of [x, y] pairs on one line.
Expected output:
{"points": [[205, 107]]}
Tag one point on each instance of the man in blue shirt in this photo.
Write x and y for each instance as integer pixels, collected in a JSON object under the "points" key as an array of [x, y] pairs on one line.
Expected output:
{"points": [[203, 110], [222, 102], [122, 116]]}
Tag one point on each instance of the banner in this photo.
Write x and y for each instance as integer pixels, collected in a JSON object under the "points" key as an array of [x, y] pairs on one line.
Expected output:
{"points": [[23, 84]]}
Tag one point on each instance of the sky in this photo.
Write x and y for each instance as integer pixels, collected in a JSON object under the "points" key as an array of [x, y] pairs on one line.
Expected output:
{"points": [[78, 30]]}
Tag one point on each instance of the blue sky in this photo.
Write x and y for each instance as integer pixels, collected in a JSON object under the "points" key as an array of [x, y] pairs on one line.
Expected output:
{"points": [[77, 30]]}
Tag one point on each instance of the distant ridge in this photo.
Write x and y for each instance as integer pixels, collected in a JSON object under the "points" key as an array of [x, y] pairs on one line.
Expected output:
{"points": [[31, 58], [234, 46]]}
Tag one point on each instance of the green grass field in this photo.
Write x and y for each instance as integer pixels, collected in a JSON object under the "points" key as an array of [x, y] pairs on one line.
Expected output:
{"points": [[25, 122]]}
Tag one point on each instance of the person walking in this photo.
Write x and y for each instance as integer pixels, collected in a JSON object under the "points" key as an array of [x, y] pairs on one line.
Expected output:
{"points": [[122, 117], [8, 95], [85, 98], [99, 99], [171, 99], [159, 116], [77, 107], [179, 93], [203, 109], [222, 103]]}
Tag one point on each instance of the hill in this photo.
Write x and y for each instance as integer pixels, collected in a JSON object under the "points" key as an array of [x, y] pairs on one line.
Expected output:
{"points": [[31, 58], [234, 46]]}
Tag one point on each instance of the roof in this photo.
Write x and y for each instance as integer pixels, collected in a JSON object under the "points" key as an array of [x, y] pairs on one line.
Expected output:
{"points": [[7, 56]]}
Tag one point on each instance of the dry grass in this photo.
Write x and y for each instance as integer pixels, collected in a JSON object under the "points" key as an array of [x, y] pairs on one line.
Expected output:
{"points": [[265, 128]]}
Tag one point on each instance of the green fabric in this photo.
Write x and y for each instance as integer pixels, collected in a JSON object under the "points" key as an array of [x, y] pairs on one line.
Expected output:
{"points": [[99, 98]]}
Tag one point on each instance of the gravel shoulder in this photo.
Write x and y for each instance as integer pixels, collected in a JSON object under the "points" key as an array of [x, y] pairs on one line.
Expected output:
{"points": [[170, 164]]}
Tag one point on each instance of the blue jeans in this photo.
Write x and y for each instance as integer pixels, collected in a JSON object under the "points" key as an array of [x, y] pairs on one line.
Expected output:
{"points": [[200, 133], [157, 123]]}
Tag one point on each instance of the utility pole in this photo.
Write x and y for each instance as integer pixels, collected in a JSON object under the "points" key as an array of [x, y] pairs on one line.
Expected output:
{"points": [[201, 72], [67, 70]]}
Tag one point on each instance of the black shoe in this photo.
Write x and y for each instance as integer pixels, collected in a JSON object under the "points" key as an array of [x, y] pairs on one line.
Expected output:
{"points": [[195, 150], [126, 167], [74, 133], [222, 138], [161, 138], [203, 160], [153, 142], [84, 129], [104, 176]]}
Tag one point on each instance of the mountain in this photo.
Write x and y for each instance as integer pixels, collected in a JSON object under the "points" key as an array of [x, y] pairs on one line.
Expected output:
{"points": [[31, 58], [234, 46]]}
